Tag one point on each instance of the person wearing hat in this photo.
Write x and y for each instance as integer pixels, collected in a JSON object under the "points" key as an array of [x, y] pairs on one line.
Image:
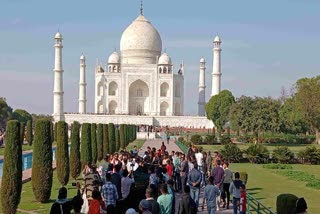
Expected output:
{"points": [[62, 205], [131, 211], [143, 206]]}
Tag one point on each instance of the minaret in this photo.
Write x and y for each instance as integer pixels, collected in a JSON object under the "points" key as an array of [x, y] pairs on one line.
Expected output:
{"points": [[82, 85], [58, 112], [202, 88], [216, 73]]}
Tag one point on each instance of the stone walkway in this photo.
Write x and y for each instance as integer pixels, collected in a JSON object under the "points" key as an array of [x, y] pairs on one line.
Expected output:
{"points": [[173, 147]]}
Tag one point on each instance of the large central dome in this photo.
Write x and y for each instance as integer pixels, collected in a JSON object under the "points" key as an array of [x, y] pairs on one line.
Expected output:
{"points": [[140, 43]]}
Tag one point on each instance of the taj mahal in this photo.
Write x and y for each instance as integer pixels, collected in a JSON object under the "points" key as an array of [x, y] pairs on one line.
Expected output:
{"points": [[138, 85]]}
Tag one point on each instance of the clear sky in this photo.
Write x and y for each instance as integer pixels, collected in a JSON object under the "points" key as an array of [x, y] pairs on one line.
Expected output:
{"points": [[266, 44]]}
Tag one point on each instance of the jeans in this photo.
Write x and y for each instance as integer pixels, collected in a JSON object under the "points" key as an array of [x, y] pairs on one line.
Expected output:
{"points": [[183, 182], [211, 210], [235, 202], [241, 212], [194, 193]]}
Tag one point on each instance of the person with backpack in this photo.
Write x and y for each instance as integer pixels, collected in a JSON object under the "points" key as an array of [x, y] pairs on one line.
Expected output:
{"points": [[235, 191], [187, 205], [62, 205]]}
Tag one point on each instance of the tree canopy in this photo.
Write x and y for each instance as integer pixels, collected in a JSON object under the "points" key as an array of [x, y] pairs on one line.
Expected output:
{"points": [[5, 112], [21, 115]]}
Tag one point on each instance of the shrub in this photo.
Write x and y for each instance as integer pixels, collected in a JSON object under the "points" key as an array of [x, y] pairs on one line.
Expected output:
{"points": [[244, 177], [100, 142], [55, 132], [94, 142], [257, 153], [231, 152], [52, 132], [117, 139], [75, 163], [105, 139], [196, 139], [282, 154], [122, 137], [181, 139], [86, 154], [209, 139], [225, 139], [41, 179], [22, 131], [286, 204], [62, 155], [126, 138], [310, 155], [277, 166], [112, 138], [11, 184], [29, 132]]}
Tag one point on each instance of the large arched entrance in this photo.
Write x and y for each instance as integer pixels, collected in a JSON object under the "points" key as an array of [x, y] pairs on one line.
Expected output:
{"points": [[139, 98]]}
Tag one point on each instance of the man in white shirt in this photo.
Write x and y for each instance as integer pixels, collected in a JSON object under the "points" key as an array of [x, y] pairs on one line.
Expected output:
{"points": [[132, 164]]}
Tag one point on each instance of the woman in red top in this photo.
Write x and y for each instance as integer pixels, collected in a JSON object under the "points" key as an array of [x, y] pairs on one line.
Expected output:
{"points": [[169, 169], [97, 206]]}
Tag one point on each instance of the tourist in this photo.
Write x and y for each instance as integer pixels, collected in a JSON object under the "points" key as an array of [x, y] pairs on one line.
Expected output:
{"points": [[226, 185], [163, 147], [131, 211], [103, 167], [153, 179], [171, 192], [126, 182], [109, 192], [153, 205], [243, 199], [135, 151], [116, 179], [62, 205], [194, 180], [77, 203], [235, 191], [165, 200], [97, 205], [211, 192], [132, 165], [301, 206], [187, 204], [209, 163], [176, 173], [143, 206], [169, 168], [218, 175], [91, 181]]}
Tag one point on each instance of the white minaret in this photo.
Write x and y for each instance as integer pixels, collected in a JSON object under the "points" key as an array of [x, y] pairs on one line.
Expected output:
{"points": [[202, 88], [58, 112], [216, 73], [82, 85]]}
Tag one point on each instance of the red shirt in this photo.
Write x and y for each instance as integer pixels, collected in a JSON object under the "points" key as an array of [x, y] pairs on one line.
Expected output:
{"points": [[243, 202], [169, 170]]}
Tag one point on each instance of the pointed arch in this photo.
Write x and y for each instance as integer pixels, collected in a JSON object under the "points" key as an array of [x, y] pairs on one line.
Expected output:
{"points": [[113, 107], [113, 89], [164, 109], [164, 90]]}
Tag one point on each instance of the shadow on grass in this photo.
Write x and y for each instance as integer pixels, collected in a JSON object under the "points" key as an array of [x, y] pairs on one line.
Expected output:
{"points": [[254, 189]]}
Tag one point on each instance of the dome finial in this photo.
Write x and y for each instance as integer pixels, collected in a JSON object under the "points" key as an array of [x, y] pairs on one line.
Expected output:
{"points": [[141, 8]]}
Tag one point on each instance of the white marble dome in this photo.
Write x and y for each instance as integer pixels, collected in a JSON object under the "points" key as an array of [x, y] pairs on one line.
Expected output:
{"points": [[140, 42], [165, 59], [114, 58]]}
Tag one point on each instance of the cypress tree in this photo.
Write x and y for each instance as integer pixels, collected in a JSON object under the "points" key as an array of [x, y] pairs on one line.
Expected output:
{"points": [[125, 135], [62, 155], [94, 142], [52, 131], [105, 139], [55, 132], [122, 137], [75, 163], [117, 139], [112, 138], [29, 132], [100, 142], [22, 130], [41, 179], [11, 183], [86, 154]]}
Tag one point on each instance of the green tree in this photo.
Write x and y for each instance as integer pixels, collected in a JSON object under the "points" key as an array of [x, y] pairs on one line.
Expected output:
{"points": [[100, 142], [105, 139], [75, 163], [117, 139], [36, 117], [307, 98], [112, 138], [11, 183], [52, 132], [29, 132], [41, 179], [282, 154], [86, 153], [22, 131], [55, 132], [21, 115], [5, 112], [218, 108], [231, 152], [62, 155], [257, 153], [94, 142], [122, 137]]}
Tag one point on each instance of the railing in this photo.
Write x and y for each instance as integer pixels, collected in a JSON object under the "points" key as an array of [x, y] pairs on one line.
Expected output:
{"points": [[183, 147], [256, 207]]}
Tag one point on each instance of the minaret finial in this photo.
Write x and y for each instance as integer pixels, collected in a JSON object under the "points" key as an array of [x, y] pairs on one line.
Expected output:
{"points": [[141, 8]]}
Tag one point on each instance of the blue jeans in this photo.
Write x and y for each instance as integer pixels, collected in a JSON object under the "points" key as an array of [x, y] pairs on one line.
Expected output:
{"points": [[241, 212], [211, 210], [235, 202], [194, 193]]}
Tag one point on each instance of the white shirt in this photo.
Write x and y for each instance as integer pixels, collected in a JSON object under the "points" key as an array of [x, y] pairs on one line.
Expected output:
{"points": [[129, 167], [199, 158]]}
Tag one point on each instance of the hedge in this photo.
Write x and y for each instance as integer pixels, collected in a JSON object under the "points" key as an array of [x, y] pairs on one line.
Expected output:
{"points": [[41, 179], [94, 142], [75, 163], [105, 139], [112, 138], [11, 184], [117, 139], [29, 132], [100, 142], [122, 136], [62, 154], [286, 204], [86, 154], [52, 131], [55, 132], [22, 129]]}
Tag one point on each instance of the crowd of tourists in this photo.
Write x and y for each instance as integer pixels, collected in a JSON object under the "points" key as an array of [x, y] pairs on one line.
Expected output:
{"points": [[127, 183]]}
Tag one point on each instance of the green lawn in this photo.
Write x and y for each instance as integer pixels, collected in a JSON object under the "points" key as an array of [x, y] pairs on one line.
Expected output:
{"points": [[28, 203], [137, 143], [293, 147], [265, 185], [24, 148]]}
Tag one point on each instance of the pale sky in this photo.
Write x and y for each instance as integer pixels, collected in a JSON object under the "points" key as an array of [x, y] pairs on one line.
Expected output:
{"points": [[266, 45]]}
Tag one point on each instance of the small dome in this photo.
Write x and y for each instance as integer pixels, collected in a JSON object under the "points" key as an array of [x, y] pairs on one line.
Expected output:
{"points": [[165, 59], [114, 58], [82, 57], [58, 36], [217, 39], [202, 60]]}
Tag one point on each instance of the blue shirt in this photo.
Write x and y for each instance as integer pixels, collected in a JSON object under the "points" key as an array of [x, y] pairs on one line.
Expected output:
{"points": [[110, 193]]}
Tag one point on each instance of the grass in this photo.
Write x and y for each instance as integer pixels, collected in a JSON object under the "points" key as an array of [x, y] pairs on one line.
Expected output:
{"points": [[137, 143], [265, 185], [24, 148], [28, 202]]}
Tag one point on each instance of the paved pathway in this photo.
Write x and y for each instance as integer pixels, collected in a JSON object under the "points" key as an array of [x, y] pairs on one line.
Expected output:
{"points": [[173, 147]]}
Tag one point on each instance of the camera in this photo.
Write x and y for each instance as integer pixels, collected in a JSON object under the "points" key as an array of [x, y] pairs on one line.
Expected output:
{"points": [[74, 184]]}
